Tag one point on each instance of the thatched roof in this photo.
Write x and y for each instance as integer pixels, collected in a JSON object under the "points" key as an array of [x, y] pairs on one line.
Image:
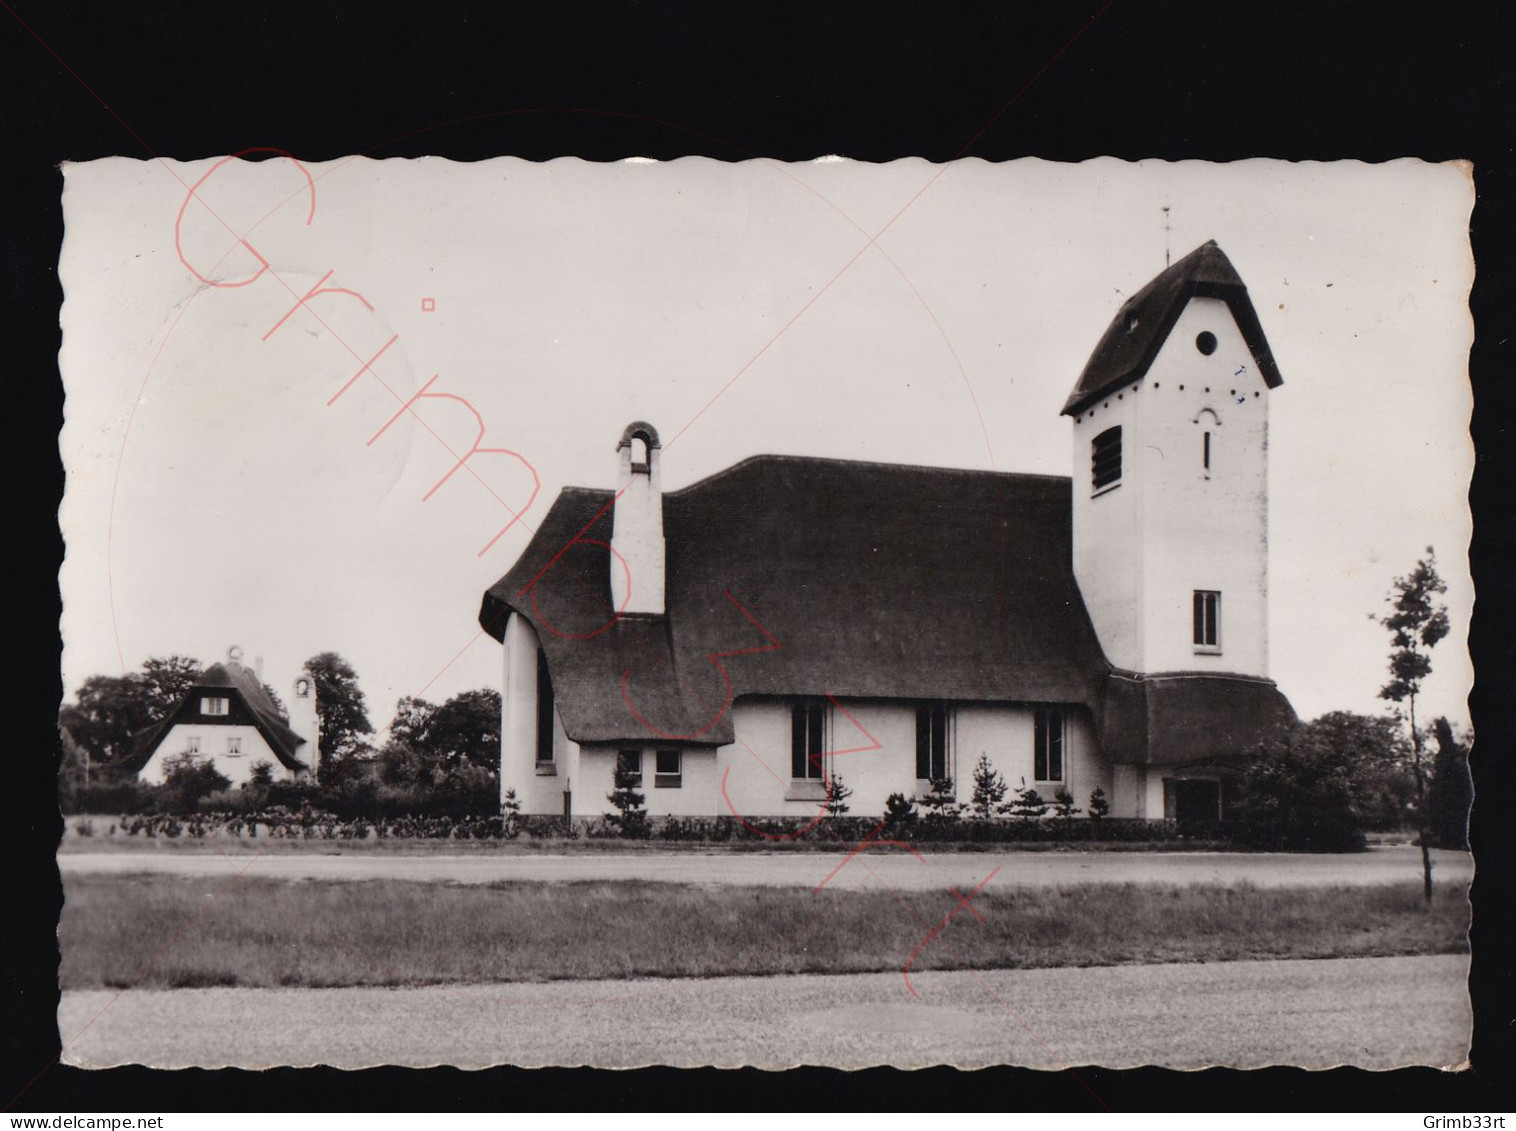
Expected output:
{"points": [[1140, 328], [1188, 718], [248, 705], [874, 580]]}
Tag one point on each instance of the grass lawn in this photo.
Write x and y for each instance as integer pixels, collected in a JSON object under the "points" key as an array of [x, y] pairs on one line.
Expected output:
{"points": [[169, 931]]}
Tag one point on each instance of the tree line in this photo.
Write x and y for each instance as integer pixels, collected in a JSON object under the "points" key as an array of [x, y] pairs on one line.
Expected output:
{"points": [[433, 753]]}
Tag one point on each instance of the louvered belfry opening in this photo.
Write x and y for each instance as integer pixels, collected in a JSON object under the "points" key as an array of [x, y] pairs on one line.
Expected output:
{"points": [[1105, 457]]}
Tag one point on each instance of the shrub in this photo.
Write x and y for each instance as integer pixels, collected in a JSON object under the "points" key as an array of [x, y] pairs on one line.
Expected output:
{"points": [[262, 774], [190, 778], [1302, 790], [899, 809]]}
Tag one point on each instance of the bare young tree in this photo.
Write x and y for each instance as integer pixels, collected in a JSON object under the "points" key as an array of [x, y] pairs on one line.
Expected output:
{"points": [[1417, 622]]}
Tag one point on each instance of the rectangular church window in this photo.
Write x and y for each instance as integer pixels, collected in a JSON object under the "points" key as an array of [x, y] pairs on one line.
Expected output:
{"points": [[668, 769], [1048, 758], [931, 742], [807, 726]]}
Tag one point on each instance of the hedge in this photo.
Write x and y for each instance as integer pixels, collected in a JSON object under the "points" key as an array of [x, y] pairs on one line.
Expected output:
{"points": [[308, 823]]}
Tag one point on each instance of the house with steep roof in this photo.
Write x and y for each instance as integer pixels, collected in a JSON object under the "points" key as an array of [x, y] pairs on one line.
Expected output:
{"points": [[228, 719], [744, 638]]}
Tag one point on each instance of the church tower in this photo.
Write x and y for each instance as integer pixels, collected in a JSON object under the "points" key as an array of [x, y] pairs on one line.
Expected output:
{"points": [[1171, 524], [1171, 475]]}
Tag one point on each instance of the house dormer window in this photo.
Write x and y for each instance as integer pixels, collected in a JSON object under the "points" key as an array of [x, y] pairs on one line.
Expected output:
{"points": [[1105, 459], [214, 705]]}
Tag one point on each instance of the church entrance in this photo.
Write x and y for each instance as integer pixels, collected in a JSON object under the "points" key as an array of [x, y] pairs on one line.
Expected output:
{"points": [[1191, 801]]}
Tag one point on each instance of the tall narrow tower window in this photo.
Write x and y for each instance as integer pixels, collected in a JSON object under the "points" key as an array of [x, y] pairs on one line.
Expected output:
{"points": [[544, 709], [1205, 455], [1207, 620], [1105, 458]]}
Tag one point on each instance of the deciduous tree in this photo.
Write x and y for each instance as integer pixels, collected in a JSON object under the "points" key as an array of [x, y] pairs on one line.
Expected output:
{"points": [[165, 681], [340, 710], [1417, 622]]}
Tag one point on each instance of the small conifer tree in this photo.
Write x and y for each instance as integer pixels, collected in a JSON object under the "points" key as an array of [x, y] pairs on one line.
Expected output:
{"points": [[1063, 803], [510, 813], [1099, 806], [630, 818], [1028, 805], [837, 793], [989, 790], [940, 803]]}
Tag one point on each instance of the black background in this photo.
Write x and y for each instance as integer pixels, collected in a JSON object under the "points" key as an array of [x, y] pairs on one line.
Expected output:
{"points": [[1314, 81]]}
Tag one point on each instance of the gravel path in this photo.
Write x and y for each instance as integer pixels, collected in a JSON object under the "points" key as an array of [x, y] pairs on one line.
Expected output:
{"points": [[1369, 1012], [899, 869]]}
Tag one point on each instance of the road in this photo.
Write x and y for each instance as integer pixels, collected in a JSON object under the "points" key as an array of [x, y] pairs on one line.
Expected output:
{"points": [[1368, 1012], [897, 868]]}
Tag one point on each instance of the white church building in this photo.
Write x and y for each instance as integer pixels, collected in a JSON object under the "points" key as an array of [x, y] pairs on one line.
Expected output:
{"points": [[746, 637], [228, 719]]}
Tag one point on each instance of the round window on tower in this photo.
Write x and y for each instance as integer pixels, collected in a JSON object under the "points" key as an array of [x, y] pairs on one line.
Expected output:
{"points": [[1205, 342]]}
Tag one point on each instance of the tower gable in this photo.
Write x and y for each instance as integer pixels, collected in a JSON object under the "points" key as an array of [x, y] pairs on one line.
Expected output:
{"points": [[1141, 327]]}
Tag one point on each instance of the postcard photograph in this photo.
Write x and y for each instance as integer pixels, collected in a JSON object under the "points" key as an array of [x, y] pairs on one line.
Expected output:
{"points": [[765, 614]]}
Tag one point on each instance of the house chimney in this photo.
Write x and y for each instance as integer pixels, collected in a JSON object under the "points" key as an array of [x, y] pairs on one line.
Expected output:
{"points": [[637, 582], [258, 668]]}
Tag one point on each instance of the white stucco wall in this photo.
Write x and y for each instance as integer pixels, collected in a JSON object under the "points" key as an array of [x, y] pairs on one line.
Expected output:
{"points": [[537, 792], [1128, 792], [698, 794], [1143, 548], [757, 766], [1108, 530], [238, 768], [1007, 736], [1205, 532]]}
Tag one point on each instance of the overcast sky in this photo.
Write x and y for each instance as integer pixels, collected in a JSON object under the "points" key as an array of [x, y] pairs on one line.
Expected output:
{"points": [[214, 497]]}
